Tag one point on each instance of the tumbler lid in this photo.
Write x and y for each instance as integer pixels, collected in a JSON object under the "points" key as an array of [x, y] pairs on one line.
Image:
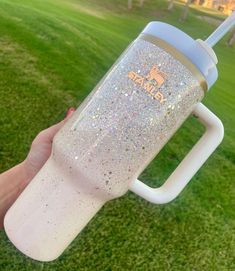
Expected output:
{"points": [[201, 55]]}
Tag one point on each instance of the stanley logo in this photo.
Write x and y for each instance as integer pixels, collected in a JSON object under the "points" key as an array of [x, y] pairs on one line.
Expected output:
{"points": [[151, 83]]}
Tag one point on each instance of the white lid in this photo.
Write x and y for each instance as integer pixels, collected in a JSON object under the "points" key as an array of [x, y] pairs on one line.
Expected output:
{"points": [[196, 51]]}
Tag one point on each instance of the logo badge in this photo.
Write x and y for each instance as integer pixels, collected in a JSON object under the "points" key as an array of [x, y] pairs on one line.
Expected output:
{"points": [[157, 75], [151, 83]]}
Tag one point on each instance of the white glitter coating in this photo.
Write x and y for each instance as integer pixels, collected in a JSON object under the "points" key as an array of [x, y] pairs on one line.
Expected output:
{"points": [[104, 146], [118, 130]]}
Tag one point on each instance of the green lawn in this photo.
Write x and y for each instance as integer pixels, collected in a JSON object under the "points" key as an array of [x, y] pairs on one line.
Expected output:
{"points": [[52, 53]]}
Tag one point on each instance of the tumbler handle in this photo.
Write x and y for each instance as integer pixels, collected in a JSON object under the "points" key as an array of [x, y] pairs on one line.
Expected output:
{"points": [[190, 164]]}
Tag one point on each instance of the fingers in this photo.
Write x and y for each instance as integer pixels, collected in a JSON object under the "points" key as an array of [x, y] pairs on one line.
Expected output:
{"points": [[70, 112], [51, 131], [48, 134]]}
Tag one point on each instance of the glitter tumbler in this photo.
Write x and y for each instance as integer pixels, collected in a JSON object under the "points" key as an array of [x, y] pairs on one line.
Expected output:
{"points": [[99, 153]]}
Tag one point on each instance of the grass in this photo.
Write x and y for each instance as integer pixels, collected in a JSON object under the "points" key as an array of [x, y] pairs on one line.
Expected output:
{"points": [[52, 53]]}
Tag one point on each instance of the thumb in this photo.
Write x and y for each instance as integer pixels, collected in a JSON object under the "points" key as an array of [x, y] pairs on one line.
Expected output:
{"points": [[69, 112]]}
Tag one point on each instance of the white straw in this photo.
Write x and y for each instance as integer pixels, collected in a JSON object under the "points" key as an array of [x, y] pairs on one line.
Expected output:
{"points": [[221, 30]]}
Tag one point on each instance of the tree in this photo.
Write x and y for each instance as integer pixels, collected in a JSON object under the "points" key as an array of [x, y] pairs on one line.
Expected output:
{"points": [[185, 10], [231, 38], [171, 5], [141, 3], [130, 2]]}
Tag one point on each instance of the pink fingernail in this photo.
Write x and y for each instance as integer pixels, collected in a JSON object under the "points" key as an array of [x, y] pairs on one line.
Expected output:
{"points": [[70, 111]]}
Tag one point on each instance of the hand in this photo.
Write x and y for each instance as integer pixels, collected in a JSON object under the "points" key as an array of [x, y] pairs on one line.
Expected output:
{"points": [[14, 180], [41, 148]]}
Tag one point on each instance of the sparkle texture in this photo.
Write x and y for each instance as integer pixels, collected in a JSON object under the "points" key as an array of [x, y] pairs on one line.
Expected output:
{"points": [[120, 127], [101, 149]]}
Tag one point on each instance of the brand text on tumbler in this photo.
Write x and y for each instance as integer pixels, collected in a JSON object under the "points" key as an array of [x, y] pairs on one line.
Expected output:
{"points": [[151, 83]]}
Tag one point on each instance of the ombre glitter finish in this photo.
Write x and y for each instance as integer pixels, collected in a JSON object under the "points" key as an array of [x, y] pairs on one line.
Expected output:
{"points": [[123, 124], [102, 148]]}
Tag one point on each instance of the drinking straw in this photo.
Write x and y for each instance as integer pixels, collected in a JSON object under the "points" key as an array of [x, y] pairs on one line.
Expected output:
{"points": [[221, 30]]}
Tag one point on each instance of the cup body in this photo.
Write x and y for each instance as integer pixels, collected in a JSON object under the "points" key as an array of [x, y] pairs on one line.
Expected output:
{"points": [[128, 118], [105, 145]]}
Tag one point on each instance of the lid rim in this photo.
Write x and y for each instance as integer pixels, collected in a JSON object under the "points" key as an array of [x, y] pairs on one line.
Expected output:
{"points": [[184, 60], [187, 46]]}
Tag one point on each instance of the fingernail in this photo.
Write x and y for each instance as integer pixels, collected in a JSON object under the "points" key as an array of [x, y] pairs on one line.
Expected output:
{"points": [[70, 111]]}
